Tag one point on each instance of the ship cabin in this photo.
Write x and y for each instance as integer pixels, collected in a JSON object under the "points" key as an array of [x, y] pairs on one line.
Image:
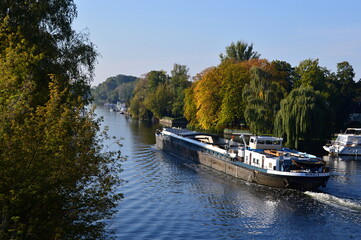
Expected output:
{"points": [[264, 152], [265, 142]]}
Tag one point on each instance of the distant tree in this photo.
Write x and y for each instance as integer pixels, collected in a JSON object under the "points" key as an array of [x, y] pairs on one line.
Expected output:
{"points": [[137, 107], [159, 102], [179, 81], [158, 95], [342, 92], [285, 73], [262, 97], [156, 78], [310, 74], [125, 92], [190, 108], [304, 116], [239, 51], [114, 89], [179, 76]]}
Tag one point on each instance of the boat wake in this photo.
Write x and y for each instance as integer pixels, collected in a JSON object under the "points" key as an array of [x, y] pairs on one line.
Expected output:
{"points": [[345, 204]]}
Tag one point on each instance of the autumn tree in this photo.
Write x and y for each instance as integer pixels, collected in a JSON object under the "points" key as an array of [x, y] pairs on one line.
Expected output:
{"points": [[208, 98], [217, 94]]}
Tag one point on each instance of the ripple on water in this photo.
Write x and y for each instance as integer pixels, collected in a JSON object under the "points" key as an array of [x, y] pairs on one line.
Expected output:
{"points": [[167, 197]]}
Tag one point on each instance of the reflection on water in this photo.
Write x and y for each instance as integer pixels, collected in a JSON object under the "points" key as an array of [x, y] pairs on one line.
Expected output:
{"points": [[167, 197]]}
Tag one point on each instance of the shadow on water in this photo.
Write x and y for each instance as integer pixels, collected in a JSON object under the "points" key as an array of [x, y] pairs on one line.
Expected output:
{"points": [[168, 197]]}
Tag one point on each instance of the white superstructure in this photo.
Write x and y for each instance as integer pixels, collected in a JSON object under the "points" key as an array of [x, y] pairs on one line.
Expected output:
{"points": [[348, 143]]}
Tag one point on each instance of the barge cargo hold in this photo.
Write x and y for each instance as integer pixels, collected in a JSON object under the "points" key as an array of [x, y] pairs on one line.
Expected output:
{"points": [[263, 161]]}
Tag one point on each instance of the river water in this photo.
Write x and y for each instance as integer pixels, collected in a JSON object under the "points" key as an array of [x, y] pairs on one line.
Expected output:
{"points": [[167, 197]]}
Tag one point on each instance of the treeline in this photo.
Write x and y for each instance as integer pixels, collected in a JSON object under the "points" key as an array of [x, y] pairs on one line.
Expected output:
{"points": [[305, 103], [159, 95], [114, 89]]}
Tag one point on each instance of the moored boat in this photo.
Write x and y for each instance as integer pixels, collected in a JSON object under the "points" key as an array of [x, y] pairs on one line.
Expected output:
{"points": [[347, 143], [263, 160]]}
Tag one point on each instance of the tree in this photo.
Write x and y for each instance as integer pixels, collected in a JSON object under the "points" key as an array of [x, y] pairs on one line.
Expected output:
{"points": [[285, 73], [239, 51], [158, 95], [137, 107], [57, 179], [160, 101], [208, 98], [114, 89], [217, 94], [304, 116], [156, 78], [190, 109], [46, 26], [179, 81], [310, 74], [262, 97], [341, 90]]}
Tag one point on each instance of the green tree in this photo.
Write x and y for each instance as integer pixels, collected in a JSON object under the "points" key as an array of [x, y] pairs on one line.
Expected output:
{"points": [[262, 97], [114, 89], [125, 92], [46, 25], [342, 92], [57, 179], [310, 74], [239, 51], [234, 77], [304, 116], [190, 109], [156, 78], [137, 107], [160, 101], [179, 81], [285, 73]]}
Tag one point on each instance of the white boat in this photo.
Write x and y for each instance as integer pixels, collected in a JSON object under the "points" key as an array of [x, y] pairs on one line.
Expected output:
{"points": [[347, 143], [263, 160]]}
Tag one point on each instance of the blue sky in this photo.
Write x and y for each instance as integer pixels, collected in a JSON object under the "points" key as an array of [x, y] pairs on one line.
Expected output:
{"points": [[135, 37]]}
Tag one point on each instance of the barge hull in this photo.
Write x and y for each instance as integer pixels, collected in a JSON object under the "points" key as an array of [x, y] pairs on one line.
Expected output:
{"points": [[236, 169]]}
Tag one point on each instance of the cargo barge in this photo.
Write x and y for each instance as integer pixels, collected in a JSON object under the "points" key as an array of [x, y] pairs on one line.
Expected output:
{"points": [[263, 160]]}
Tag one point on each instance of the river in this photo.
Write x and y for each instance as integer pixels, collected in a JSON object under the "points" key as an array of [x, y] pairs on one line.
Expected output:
{"points": [[166, 197]]}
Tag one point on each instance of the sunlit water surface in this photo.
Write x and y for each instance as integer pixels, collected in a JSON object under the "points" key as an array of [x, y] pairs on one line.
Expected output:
{"points": [[167, 197]]}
